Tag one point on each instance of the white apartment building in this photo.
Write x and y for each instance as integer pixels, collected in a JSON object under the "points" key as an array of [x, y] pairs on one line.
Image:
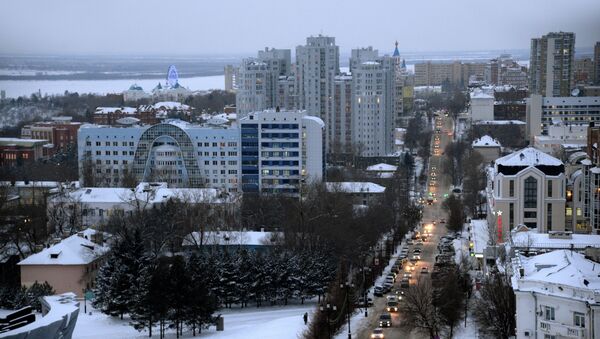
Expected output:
{"points": [[176, 152], [527, 188], [557, 296], [373, 106], [280, 150], [482, 106], [545, 111], [317, 64], [561, 134]]}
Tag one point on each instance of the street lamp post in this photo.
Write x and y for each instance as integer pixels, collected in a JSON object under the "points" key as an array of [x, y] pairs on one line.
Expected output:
{"points": [[327, 309], [347, 286], [365, 269]]}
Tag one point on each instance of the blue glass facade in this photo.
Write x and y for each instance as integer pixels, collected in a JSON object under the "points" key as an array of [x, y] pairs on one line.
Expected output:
{"points": [[249, 140]]}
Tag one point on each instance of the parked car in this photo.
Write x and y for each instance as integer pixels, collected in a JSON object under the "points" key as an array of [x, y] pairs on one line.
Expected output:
{"points": [[361, 302], [387, 286], [385, 320], [424, 270], [377, 333], [378, 291]]}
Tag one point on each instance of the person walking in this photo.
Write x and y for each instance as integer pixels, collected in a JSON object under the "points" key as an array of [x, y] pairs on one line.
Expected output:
{"points": [[305, 317]]}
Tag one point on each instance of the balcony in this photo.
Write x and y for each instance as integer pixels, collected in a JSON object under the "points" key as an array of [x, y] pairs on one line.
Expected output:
{"points": [[558, 329]]}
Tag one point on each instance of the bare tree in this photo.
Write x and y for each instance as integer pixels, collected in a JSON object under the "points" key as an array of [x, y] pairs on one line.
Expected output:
{"points": [[495, 308], [419, 310]]}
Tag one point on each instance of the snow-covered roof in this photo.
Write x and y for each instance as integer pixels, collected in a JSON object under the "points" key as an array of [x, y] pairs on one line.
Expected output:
{"points": [[107, 110], [561, 267], [499, 122], [22, 184], [74, 250], [354, 187], [486, 141], [382, 167], [171, 105], [315, 119], [480, 95], [534, 240], [529, 156], [575, 156], [371, 63], [152, 193], [251, 238], [595, 170]]}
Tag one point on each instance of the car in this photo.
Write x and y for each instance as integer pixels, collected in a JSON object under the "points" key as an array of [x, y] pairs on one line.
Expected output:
{"points": [[417, 251], [407, 275], [409, 242], [424, 270], [378, 291], [392, 306], [390, 279], [442, 221], [387, 286], [385, 320], [391, 297], [399, 293], [405, 283], [377, 333]]}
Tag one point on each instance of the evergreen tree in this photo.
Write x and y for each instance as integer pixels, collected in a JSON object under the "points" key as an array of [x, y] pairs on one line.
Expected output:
{"points": [[177, 294], [201, 302], [145, 298], [229, 278], [244, 276]]}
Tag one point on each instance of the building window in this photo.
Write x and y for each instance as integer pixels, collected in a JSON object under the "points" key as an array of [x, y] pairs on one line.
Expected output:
{"points": [[549, 217], [578, 319], [511, 188], [549, 336], [549, 188], [530, 193], [548, 313]]}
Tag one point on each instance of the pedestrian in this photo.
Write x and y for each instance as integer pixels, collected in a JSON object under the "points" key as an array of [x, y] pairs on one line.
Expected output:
{"points": [[305, 317]]}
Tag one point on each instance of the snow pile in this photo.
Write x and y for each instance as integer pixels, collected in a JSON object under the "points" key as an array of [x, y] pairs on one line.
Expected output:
{"points": [[479, 235]]}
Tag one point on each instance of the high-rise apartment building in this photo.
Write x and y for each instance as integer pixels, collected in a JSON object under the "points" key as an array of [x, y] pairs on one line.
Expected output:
{"points": [[373, 106], [342, 108], [552, 64], [597, 63], [317, 64], [258, 80]]}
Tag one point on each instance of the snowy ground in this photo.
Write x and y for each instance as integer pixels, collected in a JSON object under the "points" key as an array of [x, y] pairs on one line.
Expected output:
{"points": [[251, 322]]}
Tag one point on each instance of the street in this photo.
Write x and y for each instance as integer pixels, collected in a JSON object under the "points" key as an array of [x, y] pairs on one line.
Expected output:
{"points": [[437, 185]]}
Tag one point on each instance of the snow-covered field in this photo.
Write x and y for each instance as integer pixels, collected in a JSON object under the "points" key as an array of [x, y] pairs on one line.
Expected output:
{"points": [[247, 323], [16, 88]]}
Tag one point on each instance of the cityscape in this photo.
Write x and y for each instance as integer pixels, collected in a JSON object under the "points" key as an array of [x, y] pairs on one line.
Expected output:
{"points": [[369, 176]]}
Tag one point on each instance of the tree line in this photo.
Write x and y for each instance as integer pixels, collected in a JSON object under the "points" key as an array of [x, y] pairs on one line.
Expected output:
{"points": [[185, 290]]}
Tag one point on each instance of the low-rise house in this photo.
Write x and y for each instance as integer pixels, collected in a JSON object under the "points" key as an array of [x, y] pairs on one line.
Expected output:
{"points": [[528, 241], [97, 204], [489, 148], [362, 193], [382, 170], [68, 266], [557, 296]]}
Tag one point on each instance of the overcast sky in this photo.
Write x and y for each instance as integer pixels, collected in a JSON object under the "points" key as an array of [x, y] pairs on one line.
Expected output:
{"points": [[181, 27]]}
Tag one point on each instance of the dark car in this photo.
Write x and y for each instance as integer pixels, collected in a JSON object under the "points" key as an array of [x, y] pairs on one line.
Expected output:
{"points": [[378, 291], [385, 320]]}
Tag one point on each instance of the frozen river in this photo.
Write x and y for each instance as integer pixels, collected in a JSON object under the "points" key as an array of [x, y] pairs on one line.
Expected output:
{"points": [[16, 88]]}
